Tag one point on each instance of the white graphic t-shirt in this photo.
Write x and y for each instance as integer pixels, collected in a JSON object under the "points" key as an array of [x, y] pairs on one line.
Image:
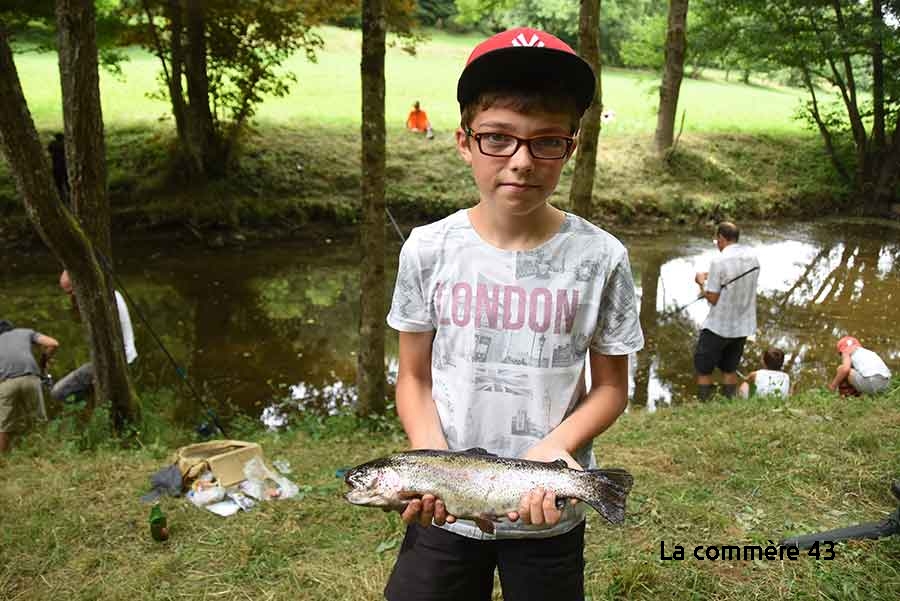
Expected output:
{"points": [[512, 329], [772, 381]]}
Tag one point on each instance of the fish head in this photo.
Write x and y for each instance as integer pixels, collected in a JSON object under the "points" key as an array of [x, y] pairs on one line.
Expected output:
{"points": [[376, 484]]}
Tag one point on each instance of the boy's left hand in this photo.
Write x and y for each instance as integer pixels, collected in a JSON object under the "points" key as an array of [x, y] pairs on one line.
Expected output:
{"points": [[539, 506]]}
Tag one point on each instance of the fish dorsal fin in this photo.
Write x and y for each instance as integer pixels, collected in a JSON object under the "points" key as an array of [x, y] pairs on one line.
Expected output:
{"points": [[478, 451], [559, 463]]}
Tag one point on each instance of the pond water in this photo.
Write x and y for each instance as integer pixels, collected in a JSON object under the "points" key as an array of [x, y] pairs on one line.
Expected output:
{"points": [[271, 328]]}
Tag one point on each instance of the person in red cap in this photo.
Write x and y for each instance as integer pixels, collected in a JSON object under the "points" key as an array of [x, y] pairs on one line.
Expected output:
{"points": [[497, 307], [860, 371]]}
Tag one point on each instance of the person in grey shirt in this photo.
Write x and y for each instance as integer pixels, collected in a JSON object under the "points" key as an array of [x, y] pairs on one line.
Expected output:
{"points": [[730, 288], [20, 383]]}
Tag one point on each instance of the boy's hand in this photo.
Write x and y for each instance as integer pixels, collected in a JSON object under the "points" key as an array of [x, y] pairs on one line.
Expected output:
{"points": [[425, 510], [539, 506]]}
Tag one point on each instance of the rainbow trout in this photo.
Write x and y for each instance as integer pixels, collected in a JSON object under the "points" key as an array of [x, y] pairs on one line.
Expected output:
{"points": [[478, 484]]}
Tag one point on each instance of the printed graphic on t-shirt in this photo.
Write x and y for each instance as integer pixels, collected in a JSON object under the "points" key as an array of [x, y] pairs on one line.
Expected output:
{"points": [[512, 329]]}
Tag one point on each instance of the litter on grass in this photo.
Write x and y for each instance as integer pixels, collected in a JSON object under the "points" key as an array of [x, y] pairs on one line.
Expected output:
{"points": [[223, 476]]}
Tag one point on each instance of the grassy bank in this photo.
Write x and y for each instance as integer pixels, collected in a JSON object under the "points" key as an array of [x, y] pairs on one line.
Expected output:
{"points": [[741, 154], [291, 175], [723, 473]]}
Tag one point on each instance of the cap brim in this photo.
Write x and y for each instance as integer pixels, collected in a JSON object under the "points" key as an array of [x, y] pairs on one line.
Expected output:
{"points": [[520, 67]]}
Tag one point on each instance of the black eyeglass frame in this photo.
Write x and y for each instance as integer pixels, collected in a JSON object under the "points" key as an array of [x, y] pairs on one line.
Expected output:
{"points": [[570, 141]]}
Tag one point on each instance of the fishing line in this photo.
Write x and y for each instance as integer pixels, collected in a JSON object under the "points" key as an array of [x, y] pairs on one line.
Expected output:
{"points": [[394, 223], [178, 369]]}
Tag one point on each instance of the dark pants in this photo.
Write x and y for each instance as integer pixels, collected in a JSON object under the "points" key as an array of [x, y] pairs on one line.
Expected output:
{"points": [[715, 351], [435, 564]]}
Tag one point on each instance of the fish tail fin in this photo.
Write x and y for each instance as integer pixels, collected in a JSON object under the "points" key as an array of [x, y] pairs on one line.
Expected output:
{"points": [[607, 490]]}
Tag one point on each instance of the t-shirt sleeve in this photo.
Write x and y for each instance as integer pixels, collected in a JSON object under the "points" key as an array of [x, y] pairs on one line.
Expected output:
{"points": [[714, 281], [618, 326], [33, 336], [409, 305]]}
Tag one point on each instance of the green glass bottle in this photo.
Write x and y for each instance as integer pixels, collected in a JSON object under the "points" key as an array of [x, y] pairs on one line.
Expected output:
{"points": [[158, 528]]}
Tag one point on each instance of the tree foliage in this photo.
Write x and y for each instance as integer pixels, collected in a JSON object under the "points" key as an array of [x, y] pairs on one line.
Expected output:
{"points": [[847, 54], [435, 13], [242, 46], [623, 22], [645, 45]]}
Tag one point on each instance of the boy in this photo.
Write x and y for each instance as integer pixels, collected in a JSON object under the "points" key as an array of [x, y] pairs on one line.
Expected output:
{"points": [[497, 306], [860, 371], [770, 380]]}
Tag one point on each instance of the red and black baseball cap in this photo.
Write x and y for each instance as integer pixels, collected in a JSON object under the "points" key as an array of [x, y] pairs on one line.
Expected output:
{"points": [[524, 57]]}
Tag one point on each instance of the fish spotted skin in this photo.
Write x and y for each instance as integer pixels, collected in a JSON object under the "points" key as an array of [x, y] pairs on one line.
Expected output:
{"points": [[477, 484]]}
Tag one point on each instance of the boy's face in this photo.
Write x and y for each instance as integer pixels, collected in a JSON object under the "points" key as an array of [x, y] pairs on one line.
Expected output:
{"points": [[519, 184]]}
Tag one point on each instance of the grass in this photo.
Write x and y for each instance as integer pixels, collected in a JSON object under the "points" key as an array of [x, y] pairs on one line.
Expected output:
{"points": [[741, 152], [327, 92], [737, 473]]}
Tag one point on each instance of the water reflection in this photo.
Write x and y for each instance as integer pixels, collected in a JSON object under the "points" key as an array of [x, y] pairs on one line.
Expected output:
{"points": [[816, 283], [273, 330]]}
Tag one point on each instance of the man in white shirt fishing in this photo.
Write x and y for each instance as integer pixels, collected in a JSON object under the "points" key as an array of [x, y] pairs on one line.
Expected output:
{"points": [[730, 289]]}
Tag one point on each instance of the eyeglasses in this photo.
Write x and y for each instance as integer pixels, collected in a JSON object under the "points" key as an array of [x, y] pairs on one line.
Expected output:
{"points": [[504, 145]]}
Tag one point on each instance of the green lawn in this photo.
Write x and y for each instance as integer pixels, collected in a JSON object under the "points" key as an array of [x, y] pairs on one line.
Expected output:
{"points": [[742, 155], [328, 92], [722, 473]]}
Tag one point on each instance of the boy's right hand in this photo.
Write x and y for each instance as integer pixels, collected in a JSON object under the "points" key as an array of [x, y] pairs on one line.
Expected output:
{"points": [[425, 510], [429, 507]]}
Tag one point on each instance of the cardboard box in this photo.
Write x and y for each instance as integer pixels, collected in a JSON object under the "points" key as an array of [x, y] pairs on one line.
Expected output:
{"points": [[225, 458], [228, 468]]}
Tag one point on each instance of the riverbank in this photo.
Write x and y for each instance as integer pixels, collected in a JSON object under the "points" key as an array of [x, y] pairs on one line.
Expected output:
{"points": [[721, 473], [292, 177]]}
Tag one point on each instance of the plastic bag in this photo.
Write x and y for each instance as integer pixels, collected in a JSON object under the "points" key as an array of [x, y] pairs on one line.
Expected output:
{"points": [[205, 490], [256, 485], [205, 496]]}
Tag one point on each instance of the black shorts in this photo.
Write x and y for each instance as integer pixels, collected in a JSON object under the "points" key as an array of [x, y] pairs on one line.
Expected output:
{"points": [[437, 565], [714, 351]]}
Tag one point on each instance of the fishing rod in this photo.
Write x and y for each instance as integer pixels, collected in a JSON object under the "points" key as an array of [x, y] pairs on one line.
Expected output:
{"points": [[870, 530], [178, 369], [703, 296], [394, 223]]}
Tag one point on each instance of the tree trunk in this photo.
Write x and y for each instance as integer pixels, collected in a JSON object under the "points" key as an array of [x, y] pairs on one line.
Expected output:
{"points": [[60, 231], [885, 188], [823, 127], [581, 193], [85, 149], [370, 366], [199, 118], [676, 44], [173, 70], [878, 28]]}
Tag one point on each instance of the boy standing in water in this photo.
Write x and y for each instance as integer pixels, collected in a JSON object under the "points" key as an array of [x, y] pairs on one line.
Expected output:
{"points": [[497, 307]]}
